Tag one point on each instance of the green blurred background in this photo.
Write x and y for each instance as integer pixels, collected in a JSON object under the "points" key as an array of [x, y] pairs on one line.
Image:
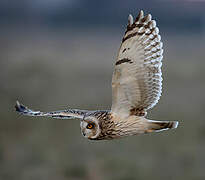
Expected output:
{"points": [[58, 54]]}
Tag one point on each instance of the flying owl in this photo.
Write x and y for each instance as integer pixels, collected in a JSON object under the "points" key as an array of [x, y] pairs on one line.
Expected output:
{"points": [[136, 88]]}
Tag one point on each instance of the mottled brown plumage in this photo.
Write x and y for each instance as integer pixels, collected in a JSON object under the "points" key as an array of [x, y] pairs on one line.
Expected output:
{"points": [[136, 88]]}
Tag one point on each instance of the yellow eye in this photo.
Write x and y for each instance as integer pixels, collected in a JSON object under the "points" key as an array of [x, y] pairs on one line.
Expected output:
{"points": [[90, 126]]}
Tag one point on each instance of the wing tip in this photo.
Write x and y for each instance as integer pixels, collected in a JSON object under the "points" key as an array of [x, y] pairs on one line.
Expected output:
{"points": [[140, 15], [146, 18], [20, 107], [130, 20]]}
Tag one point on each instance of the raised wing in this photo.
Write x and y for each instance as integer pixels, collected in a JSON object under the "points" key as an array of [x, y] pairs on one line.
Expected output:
{"points": [[137, 81], [64, 114]]}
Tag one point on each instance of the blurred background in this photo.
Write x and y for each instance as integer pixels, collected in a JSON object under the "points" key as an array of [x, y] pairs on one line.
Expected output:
{"points": [[58, 54]]}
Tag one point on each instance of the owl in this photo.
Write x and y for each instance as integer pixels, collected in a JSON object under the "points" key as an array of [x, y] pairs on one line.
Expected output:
{"points": [[136, 88]]}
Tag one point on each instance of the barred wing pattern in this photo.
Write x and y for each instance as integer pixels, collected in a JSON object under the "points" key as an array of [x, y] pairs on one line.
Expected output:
{"points": [[64, 114], [137, 81]]}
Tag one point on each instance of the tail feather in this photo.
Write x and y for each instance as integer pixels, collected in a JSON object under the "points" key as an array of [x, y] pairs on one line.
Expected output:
{"points": [[156, 126]]}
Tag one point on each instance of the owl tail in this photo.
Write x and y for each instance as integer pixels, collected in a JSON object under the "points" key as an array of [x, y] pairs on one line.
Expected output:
{"points": [[156, 126]]}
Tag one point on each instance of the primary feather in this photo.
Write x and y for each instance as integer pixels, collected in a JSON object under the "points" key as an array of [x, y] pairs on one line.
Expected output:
{"points": [[62, 114]]}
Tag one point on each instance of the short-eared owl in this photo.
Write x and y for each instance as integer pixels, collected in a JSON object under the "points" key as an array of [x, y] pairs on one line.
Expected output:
{"points": [[136, 88]]}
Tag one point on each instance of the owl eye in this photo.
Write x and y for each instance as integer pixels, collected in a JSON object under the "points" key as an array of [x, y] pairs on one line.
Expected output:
{"points": [[90, 126]]}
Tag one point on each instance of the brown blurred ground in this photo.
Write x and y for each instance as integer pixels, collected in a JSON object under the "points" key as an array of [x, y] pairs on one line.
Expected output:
{"points": [[72, 68]]}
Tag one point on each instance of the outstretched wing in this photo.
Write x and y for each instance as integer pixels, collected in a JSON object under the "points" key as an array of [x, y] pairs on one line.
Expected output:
{"points": [[64, 114], [137, 81]]}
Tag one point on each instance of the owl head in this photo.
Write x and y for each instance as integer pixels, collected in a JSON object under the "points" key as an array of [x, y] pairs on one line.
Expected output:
{"points": [[90, 127]]}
